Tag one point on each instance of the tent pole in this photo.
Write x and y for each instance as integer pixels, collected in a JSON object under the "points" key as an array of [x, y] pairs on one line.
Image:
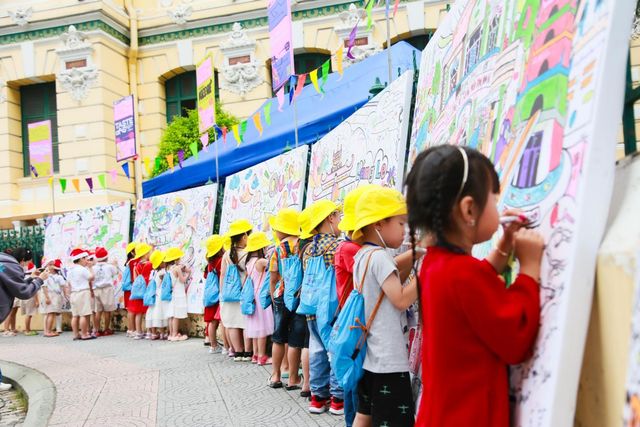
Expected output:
{"points": [[388, 41], [217, 172]]}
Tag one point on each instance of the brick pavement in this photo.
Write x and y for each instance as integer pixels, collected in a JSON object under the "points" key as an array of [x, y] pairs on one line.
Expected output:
{"points": [[117, 381]]}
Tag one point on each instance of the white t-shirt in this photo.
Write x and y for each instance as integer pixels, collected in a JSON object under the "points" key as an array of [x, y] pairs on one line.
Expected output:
{"points": [[387, 342], [54, 283], [105, 275], [78, 277]]}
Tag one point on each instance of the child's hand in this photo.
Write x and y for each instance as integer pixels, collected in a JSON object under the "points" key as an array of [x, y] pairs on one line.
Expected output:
{"points": [[510, 229], [44, 275], [47, 300], [529, 247]]}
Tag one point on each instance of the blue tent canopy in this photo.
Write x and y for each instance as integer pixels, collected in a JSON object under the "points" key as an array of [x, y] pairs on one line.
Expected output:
{"points": [[316, 115]]}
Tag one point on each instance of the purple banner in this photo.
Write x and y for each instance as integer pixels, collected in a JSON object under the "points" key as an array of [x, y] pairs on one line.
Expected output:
{"points": [[125, 127], [279, 13]]}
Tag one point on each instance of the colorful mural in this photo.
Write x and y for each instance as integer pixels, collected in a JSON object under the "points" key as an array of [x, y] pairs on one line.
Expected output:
{"points": [[632, 404]]}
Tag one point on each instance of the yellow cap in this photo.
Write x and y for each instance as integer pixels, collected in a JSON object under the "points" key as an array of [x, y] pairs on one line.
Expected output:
{"points": [[315, 214], [257, 241], [156, 258], [142, 249], [348, 222], [173, 254], [286, 221], [378, 204], [238, 227], [214, 244], [130, 247]]}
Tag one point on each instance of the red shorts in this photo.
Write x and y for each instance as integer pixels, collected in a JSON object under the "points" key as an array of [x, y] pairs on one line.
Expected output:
{"points": [[127, 294], [136, 307], [212, 313]]}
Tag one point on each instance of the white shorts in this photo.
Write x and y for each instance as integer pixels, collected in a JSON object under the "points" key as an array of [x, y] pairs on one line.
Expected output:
{"points": [[104, 299], [81, 303], [29, 307], [56, 304]]}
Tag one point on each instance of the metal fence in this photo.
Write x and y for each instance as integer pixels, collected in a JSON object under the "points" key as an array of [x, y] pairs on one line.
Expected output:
{"points": [[30, 237]]}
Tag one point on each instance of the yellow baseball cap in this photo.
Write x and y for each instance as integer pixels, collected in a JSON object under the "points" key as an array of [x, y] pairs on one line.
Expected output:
{"points": [[238, 227], [173, 254], [348, 222], [214, 244], [257, 241], [286, 221], [315, 214], [377, 204], [142, 249], [130, 247], [156, 258]]}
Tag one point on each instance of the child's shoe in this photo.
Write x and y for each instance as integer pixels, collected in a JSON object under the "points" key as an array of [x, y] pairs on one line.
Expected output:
{"points": [[337, 406], [318, 406], [254, 359]]}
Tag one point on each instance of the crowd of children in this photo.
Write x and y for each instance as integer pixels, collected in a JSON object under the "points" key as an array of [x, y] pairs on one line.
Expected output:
{"points": [[335, 295]]}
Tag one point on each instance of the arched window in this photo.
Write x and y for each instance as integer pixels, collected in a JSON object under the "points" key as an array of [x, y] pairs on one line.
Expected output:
{"points": [[181, 95], [419, 42]]}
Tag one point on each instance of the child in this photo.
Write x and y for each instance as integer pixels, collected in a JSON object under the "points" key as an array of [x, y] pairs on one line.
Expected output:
{"points": [[230, 312], [326, 393], [29, 307], [259, 325], [290, 335], [127, 281], [142, 268], [212, 312], [104, 292], [155, 318], [52, 290], [474, 326], [179, 277], [80, 278]]}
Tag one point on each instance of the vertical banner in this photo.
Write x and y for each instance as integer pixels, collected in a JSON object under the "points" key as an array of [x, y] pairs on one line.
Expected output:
{"points": [[40, 147], [125, 128], [206, 96], [279, 14]]}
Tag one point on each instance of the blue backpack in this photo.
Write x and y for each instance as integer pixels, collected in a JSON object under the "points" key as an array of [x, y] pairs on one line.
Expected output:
{"points": [[265, 292], [211, 290], [138, 288], [166, 291], [232, 289], [125, 284], [291, 271], [327, 308], [248, 300], [316, 276], [149, 298], [348, 343]]}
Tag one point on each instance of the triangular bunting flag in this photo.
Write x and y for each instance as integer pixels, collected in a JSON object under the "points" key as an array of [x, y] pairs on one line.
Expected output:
{"points": [[63, 184], [256, 121], [76, 184], [50, 181], [292, 86], [194, 149], [90, 184], [158, 164], [280, 96], [102, 181], [170, 161], [267, 113], [314, 80], [204, 139], [352, 42], [224, 134], [395, 8], [339, 59], [180, 158], [325, 73], [125, 168], [147, 165], [113, 173], [243, 129], [236, 134], [369, 14], [301, 79]]}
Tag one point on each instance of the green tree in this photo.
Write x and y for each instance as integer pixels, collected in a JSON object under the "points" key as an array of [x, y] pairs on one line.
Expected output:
{"points": [[182, 132]]}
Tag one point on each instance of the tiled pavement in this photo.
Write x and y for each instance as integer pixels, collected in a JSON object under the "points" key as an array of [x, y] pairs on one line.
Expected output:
{"points": [[12, 413], [117, 381]]}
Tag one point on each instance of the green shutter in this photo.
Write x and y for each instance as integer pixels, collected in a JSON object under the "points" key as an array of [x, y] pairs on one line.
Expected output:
{"points": [[38, 102], [180, 92]]}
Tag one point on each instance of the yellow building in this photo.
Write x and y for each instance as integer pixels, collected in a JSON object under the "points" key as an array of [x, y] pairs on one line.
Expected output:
{"points": [[69, 60]]}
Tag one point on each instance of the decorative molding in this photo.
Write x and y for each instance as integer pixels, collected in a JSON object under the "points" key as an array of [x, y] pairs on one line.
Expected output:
{"points": [[241, 77], [237, 39], [44, 33], [21, 16], [635, 30], [76, 80], [180, 14], [349, 19], [74, 39]]}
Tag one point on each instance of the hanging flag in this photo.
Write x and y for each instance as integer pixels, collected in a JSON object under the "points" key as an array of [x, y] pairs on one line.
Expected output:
{"points": [[180, 158], [147, 165], [325, 73], [280, 96], [204, 139], [125, 168], [280, 41], [314, 80], [50, 181], [292, 85], [395, 8], [90, 184], [369, 14], [63, 184], [76, 184], [170, 161], [339, 59], [224, 134], [114, 175], [125, 128], [243, 129], [256, 121], [205, 93], [267, 113], [102, 181], [35, 172], [194, 149], [158, 164], [236, 133], [352, 42], [301, 79]]}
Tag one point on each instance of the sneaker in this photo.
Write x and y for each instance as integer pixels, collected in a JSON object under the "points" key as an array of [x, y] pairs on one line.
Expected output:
{"points": [[5, 386], [254, 359], [246, 357], [238, 358], [337, 406], [224, 351], [215, 350], [318, 406], [99, 334], [264, 360], [107, 332], [139, 336], [131, 334]]}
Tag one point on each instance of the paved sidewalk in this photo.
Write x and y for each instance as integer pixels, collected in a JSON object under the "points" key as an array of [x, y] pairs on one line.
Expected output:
{"points": [[115, 381]]}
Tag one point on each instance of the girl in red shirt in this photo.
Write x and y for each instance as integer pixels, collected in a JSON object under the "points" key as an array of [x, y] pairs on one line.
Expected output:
{"points": [[474, 325], [212, 313]]}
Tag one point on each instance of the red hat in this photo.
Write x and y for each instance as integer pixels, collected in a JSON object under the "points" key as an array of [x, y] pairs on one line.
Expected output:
{"points": [[31, 267], [57, 264], [78, 253], [101, 254]]}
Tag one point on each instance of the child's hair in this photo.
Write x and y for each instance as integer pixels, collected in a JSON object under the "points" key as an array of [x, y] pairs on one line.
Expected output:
{"points": [[258, 254], [21, 254], [233, 252]]}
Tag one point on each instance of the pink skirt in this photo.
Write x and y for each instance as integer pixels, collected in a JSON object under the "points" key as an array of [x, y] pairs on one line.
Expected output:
{"points": [[260, 324]]}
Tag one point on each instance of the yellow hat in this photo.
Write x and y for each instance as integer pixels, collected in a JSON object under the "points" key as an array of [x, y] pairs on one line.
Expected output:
{"points": [[257, 241], [130, 247], [286, 221], [142, 249], [173, 254], [156, 258], [378, 204], [238, 227], [316, 213], [214, 244], [349, 218]]}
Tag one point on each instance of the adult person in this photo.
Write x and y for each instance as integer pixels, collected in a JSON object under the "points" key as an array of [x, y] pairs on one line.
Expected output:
{"points": [[14, 284]]}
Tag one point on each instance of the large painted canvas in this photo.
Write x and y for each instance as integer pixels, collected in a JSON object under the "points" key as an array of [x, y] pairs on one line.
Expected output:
{"points": [[632, 403], [524, 83], [106, 226], [368, 147], [260, 191], [183, 219]]}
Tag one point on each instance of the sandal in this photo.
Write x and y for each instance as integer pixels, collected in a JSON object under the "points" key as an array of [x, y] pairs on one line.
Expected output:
{"points": [[90, 337], [274, 384], [292, 387], [305, 393]]}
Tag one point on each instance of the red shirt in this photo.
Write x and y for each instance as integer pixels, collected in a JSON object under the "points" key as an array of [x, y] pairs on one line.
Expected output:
{"points": [[132, 268], [474, 328], [214, 265], [145, 269], [344, 268]]}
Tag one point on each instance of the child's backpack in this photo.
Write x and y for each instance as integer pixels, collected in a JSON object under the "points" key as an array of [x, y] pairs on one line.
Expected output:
{"points": [[327, 308], [264, 296], [348, 343], [149, 298], [232, 289], [316, 276], [138, 288], [125, 284], [166, 291], [211, 290], [248, 300], [291, 271]]}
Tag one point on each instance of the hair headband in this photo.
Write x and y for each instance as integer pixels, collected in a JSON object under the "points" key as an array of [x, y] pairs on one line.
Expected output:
{"points": [[465, 173]]}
